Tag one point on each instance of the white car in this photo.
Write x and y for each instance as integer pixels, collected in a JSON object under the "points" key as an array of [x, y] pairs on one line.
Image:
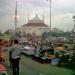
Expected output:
{"points": [[28, 50]]}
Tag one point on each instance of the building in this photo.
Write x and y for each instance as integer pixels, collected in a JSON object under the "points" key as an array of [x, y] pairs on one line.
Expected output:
{"points": [[34, 25], [57, 30]]}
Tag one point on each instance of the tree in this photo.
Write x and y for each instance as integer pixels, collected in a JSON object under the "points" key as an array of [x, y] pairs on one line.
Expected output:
{"points": [[45, 35], [7, 35]]}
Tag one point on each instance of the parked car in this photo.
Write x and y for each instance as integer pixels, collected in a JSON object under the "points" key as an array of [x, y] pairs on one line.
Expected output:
{"points": [[27, 48]]}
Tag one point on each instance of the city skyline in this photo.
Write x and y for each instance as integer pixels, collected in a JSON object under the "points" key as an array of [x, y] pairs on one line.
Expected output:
{"points": [[62, 12]]}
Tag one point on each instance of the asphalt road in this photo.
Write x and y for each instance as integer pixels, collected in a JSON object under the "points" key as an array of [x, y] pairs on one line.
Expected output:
{"points": [[31, 67]]}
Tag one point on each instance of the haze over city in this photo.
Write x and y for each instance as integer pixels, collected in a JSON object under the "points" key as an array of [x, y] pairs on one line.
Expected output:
{"points": [[62, 12]]}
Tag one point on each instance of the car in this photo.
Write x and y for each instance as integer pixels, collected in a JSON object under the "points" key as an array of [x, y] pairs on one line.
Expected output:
{"points": [[27, 49]]}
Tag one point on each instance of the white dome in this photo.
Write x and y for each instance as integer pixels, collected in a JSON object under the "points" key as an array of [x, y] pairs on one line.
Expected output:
{"points": [[36, 20]]}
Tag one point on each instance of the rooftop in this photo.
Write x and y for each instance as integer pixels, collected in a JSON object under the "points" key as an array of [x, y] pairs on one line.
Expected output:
{"points": [[36, 19], [36, 22]]}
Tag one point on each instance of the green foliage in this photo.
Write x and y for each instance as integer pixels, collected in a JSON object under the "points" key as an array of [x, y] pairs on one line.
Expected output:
{"points": [[60, 34], [56, 34], [7, 32], [73, 58], [45, 35]]}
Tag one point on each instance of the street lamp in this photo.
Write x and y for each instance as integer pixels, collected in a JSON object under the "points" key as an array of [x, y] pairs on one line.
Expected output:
{"points": [[16, 16], [74, 23], [74, 31], [74, 46], [50, 12]]}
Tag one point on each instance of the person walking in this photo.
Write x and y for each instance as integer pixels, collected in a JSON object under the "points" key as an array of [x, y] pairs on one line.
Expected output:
{"points": [[1, 45], [15, 50], [10, 44]]}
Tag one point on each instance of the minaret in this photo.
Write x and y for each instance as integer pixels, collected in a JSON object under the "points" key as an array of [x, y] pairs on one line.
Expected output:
{"points": [[36, 14], [28, 17], [43, 17], [16, 16]]}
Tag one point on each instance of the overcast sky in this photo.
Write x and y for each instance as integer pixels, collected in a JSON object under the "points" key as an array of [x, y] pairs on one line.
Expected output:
{"points": [[62, 12]]}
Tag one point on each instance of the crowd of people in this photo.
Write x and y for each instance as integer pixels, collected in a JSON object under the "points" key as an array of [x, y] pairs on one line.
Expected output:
{"points": [[14, 49], [14, 56]]}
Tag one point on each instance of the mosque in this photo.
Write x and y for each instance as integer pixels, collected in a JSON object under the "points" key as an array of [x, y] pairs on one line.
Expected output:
{"points": [[35, 25]]}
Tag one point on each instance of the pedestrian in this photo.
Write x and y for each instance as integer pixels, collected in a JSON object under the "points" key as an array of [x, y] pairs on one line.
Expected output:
{"points": [[15, 50], [1, 45], [35, 48], [10, 44]]}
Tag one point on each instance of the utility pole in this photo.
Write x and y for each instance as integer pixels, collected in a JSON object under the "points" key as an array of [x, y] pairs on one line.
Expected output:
{"points": [[16, 16], [50, 14], [73, 62], [73, 32]]}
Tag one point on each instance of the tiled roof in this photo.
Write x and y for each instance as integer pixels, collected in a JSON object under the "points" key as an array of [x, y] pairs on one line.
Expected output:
{"points": [[35, 24]]}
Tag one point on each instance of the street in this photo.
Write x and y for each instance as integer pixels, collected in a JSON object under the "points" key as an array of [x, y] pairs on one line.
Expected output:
{"points": [[31, 67]]}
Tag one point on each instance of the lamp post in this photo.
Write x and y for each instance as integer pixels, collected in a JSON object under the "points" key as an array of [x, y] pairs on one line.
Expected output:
{"points": [[74, 24], [16, 16], [74, 46], [74, 31], [50, 13]]}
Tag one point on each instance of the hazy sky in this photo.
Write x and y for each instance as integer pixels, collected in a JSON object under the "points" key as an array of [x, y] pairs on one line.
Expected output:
{"points": [[62, 12]]}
